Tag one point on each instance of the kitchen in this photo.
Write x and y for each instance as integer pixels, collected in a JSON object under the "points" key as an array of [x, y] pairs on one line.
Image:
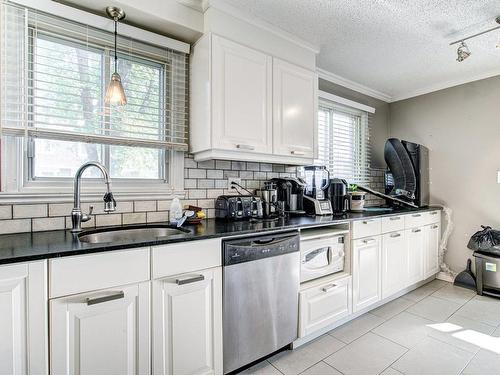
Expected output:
{"points": [[203, 187]]}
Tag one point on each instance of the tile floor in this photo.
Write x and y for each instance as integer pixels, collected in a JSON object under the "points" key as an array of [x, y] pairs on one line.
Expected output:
{"points": [[436, 329]]}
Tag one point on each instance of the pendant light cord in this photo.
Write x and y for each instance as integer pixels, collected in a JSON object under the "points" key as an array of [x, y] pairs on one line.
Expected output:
{"points": [[116, 35]]}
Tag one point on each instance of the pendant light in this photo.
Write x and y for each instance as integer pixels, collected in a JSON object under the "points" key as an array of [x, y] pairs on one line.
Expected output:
{"points": [[115, 93]]}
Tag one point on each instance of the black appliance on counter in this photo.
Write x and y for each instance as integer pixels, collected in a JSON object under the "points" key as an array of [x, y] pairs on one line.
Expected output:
{"points": [[238, 207], [407, 175], [290, 190], [317, 179], [337, 193]]}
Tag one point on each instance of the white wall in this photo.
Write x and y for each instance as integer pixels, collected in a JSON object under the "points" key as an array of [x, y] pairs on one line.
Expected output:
{"points": [[461, 127]]}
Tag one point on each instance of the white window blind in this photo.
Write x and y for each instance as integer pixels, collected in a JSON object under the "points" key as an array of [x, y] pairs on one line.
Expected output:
{"points": [[344, 141], [53, 77]]}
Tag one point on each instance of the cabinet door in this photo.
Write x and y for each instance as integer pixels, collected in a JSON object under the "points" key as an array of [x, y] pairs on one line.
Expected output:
{"points": [[416, 248], [323, 305], [367, 262], [394, 263], [101, 333], [23, 323], [431, 249], [294, 110], [241, 97], [187, 324]]}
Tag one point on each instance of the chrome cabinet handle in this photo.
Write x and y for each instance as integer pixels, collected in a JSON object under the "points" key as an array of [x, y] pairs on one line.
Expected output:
{"points": [[329, 287], [395, 218], [369, 240], [416, 230], [434, 213], [111, 297], [368, 221], [394, 235], [416, 215], [190, 280], [435, 227], [296, 152], [245, 147]]}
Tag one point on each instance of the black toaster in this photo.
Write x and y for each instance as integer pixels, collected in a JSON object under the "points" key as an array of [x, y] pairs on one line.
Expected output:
{"points": [[238, 207]]}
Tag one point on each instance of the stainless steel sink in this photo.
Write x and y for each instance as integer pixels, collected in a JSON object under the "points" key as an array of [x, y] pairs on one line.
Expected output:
{"points": [[132, 234]]}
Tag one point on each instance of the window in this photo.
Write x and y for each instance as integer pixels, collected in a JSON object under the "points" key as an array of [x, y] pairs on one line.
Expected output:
{"points": [[344, 138], [53, 115]]}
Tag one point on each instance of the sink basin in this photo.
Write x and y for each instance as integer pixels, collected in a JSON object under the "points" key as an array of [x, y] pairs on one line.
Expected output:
{"points": [[132, 234]]}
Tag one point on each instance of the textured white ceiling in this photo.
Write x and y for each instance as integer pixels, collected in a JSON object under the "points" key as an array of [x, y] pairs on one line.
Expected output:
{"points": [[398, 47]]}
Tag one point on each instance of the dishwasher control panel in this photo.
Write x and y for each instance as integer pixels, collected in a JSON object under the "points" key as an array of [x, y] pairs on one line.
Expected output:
{"points": [[254, 248]]}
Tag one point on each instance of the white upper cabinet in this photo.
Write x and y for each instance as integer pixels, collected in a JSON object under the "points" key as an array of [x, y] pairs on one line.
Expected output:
{"points": [[241, 97], [248, 105], [23, 323], [295, 110], [102, 333]]}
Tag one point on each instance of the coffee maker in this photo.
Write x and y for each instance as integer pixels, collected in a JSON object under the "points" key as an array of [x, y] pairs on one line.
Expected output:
{"points": [[290, 190], [337, 193], [317, 180], [269, 196]]}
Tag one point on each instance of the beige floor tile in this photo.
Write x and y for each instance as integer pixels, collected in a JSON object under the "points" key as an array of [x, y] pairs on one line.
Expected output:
{"points": [[390, 371], [292, 362], [425, 290], [321, 368], [433, 357], [435, 309], [405, 329], [357, 327], [262, 368], [463, 333], [454, 294], [370, 354], [392, 308], [484, 362], [482, 309]]}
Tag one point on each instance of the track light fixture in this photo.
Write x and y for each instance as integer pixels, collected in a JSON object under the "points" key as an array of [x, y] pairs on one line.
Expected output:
{"points": [[463, 50]]}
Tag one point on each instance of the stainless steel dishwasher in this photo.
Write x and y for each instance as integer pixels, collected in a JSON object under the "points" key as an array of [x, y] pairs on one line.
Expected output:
{"points": [[260, 303]]}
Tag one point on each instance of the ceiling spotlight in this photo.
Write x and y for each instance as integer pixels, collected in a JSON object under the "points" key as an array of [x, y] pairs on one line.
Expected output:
{"points": [[462, 52]]}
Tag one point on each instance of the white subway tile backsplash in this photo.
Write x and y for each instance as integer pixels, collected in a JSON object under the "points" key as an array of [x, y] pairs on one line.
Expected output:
{"points": [[22, 211], [108, 219], [215, 173], [60, 209], [197, 173], [220, 184], [214, 193], [15, 226], [238, 165], [144, 206], [163, 205], [157, 217], [206, 203], [5, 212], [247, 175], [264, 167], [207, 164], [222, 164], [228, 174], [190, 183], [206, 184], [197, 194], [86, 225], [48, 223], [253, 166], [190, 163], [134, 218]]}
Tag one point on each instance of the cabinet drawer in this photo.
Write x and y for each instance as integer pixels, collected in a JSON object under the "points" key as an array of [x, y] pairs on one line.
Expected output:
{"points": [[185, 257], [323, 305], [393, 223], [84, 273], [365, 228], [432, 217], [415, 220]]}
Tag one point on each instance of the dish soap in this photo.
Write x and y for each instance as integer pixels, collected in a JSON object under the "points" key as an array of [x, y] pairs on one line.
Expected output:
{"points": [[175, 211]]}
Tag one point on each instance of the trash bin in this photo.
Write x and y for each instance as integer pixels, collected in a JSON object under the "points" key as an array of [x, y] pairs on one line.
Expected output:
{"points": [[486, 246]]}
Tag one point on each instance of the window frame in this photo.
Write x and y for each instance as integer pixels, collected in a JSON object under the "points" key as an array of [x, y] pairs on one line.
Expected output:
{"points": [[16, 158]]}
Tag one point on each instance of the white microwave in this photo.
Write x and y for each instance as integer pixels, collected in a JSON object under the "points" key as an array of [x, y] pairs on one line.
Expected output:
{"points": [[321, 256]]}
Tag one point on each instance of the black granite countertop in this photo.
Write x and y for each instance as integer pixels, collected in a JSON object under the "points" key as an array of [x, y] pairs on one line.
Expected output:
{"points": [[41, 245]]}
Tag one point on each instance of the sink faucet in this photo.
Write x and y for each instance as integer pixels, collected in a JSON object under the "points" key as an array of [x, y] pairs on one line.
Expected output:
{"points": [[77, 216]]}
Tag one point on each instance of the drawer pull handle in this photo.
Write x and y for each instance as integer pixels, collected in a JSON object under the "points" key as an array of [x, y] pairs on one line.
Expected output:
{"points": [[394, 235], [190, 280], [434, 213], [368, 221], [395, 218], [295, 152], [369, 240], [245, 147], [111, 297], [416, 230], [435, 227], [416, 215], [329, 287]]}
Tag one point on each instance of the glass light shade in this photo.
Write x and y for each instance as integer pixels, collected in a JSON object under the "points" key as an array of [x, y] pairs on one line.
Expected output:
{"points": [[115, 93]]}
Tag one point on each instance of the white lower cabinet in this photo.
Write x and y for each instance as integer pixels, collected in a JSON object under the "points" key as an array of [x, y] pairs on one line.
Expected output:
{"points": [[394, 263], [323, 304], [432, 235], [366, 271], [23, 319], [187, 324], [416, 248], [105, 332]]}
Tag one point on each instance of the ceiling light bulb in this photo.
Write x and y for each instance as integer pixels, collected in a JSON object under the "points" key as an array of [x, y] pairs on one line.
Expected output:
{"points": [[463, 52], [115, 94]]}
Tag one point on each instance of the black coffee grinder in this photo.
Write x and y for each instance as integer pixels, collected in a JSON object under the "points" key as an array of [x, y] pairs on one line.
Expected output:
{"points": [[337, 193]]}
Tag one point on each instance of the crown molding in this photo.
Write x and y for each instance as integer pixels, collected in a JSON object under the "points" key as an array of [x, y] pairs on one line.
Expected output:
{"points": [[334, 78], [446, 85], [225, 7]]}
